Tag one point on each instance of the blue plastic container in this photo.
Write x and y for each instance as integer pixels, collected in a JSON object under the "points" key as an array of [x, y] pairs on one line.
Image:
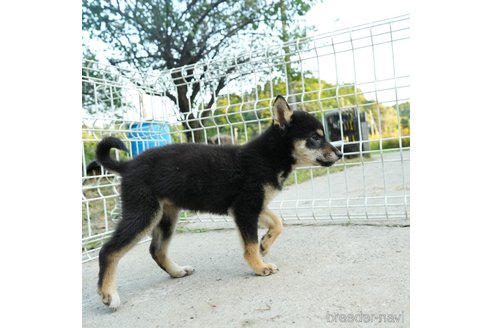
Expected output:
{"points": [[146, 135]]}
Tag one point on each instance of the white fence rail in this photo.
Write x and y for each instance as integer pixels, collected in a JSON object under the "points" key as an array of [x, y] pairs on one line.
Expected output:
{"points": [[355, 80]]}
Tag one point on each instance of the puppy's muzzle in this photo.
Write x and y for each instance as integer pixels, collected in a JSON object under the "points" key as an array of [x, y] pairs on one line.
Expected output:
{"points": [[330, 158]]}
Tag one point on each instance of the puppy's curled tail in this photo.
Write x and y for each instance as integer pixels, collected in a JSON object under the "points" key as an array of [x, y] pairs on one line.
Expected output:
{"points": [[102, 154]]}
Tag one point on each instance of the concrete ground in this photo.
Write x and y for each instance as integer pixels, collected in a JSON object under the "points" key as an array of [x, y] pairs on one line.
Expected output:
{"points": [[330, 276]]}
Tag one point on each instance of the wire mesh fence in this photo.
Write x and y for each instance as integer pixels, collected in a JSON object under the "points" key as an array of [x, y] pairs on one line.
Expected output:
{"points": [[355, 80]]}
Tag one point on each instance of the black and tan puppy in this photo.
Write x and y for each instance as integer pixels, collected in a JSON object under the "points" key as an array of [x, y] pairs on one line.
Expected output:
{"points": [[235, 180]]}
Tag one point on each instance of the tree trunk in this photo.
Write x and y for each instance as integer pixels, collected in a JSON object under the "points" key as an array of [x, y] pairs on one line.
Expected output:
{"points": [[194, 131]]}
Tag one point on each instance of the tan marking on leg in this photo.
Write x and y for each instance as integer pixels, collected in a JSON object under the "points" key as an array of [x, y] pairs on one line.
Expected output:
{"points": [[160, 255], [274, 224], [254, 260], [108, 291]]}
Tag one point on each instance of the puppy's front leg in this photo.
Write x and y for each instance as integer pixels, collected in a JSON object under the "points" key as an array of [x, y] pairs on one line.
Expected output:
{"points": [[252, 256], [247, 224], [274, 224]]}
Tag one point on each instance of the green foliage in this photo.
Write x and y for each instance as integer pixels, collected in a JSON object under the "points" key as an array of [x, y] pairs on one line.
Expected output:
{"points": [[318, 96], [90, 150], [404, 114], [389, 144]]}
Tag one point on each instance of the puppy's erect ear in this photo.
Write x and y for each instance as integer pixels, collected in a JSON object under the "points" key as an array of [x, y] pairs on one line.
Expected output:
{"points": [[282, 114]]}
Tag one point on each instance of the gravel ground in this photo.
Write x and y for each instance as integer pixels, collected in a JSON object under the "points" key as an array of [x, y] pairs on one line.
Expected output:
{"points": [[329, 275]]}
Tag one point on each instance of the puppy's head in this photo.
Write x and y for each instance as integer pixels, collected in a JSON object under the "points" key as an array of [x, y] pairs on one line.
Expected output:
{"points": [[305, 133]]}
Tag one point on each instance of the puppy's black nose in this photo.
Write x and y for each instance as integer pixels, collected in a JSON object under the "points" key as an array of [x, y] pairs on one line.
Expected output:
{"points": [[339, 154]]}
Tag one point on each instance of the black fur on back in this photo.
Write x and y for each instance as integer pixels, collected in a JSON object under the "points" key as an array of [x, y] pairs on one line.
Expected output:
{"points": [[203, 177], [209, 178]]}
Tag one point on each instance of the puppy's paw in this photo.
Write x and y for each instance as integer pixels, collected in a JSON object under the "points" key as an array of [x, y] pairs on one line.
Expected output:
{"points": [[182, 271], [110, 299], [267, 269]]}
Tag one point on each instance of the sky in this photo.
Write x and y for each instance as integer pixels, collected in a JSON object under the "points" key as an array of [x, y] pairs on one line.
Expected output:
{"points": [[331, 15]]}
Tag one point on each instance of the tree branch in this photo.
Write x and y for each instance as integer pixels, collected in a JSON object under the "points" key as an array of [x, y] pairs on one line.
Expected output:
{"points": [[197, 24], [196, 85], [222, 83], [226, 37]]}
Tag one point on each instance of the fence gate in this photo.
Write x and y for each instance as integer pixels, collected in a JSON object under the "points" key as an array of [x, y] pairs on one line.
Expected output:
{"points": [[355, 80]]}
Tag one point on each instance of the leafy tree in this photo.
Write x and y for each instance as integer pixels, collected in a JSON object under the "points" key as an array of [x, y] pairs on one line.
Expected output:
{"points": [[404, 114], [166, 34]]}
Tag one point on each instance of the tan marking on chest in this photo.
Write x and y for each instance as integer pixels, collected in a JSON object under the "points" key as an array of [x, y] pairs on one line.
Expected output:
{"points": [[270, 193]]}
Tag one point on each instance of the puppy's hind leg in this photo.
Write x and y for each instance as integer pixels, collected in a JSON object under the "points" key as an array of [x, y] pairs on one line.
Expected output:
{"points": [[138, 217], [274, 224], [161, 238]]}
